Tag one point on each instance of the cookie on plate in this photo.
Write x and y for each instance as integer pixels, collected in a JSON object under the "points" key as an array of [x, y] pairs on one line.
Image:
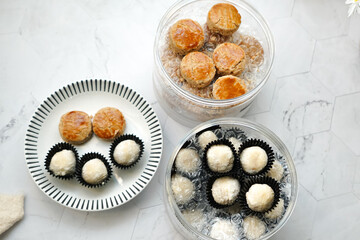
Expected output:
{"points": [[93, 170], [109, 123], [75, 127], [126, 151]]}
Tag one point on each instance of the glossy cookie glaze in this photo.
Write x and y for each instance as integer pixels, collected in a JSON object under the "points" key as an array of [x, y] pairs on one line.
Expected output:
{"points": [[186, 35], [223, 18], [75, 127]]}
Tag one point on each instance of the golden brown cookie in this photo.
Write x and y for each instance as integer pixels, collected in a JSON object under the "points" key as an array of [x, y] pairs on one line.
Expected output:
{"points": [[109, 123], [186, 35], [229, 58], [197, 69], [223, 18], [253, 49], [75, 127], [228, 87]]}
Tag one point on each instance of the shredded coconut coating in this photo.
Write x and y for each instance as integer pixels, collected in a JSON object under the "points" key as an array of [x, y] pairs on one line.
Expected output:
{"points": [[253, 227], [220, 158], [126, 152], [94, 171], [225, 190], [63, 163], [276, 171], [253, 159], [182, 188], [224, 230], [205, 138], [260, 197], [277, 211], [187, 160]]}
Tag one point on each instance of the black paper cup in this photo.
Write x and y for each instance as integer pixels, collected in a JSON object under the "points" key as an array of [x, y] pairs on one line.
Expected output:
{"points": [[186, 144], [209, 197], [258, 180], [84, 159], [119, 140], [57, 148], [236, 133], [257, 143], [236, 164]]}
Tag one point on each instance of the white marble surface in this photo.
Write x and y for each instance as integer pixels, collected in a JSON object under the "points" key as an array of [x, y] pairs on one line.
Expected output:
{"points": [[311, 101]]}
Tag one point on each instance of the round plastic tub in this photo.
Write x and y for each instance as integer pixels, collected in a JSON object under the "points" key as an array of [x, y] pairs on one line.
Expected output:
{"points": [[247, 130], [190, 109]]}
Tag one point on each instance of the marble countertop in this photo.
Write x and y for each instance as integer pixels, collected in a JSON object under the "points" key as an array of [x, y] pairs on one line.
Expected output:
{"points": [[311, 102]]}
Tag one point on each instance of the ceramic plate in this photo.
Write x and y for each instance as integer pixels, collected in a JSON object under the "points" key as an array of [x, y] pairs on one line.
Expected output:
{"points": [[90, 96]]}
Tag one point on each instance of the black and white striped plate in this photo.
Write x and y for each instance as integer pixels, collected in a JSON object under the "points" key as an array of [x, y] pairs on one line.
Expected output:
{"points": [[89, 96]]}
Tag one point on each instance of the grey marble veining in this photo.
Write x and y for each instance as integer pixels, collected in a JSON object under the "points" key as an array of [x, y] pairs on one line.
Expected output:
{"points": [[311, 102], [303, 104], [328, 161]]}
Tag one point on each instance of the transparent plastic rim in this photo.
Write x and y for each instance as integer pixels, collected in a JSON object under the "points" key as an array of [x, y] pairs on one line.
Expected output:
{"points": [[211, 102], [175, 211]]}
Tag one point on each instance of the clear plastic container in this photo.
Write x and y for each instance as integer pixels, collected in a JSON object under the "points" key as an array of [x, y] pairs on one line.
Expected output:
{"points": [[188, 108], [289, 183]]}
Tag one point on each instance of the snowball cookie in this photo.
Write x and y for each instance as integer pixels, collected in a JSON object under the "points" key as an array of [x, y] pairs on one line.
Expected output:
{"points": [[94, 171], [223, 18], [253, 159], [75, 127], [220, 158], [205, 138], [235, 142], [182, 188], [253, 49], [195, 217], [63, 163], [277, 211], [185, 36], [197, 69], [224, 230], [253, 227], [109, 123], [260, 197], [229, 59], [228, 87], [126, 152], [187, 160], [225, 190], [276, 171]]}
